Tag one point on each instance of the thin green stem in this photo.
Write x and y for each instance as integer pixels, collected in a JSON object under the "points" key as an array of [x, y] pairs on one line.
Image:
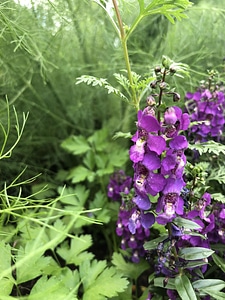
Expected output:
{"points": [[124, 39]]}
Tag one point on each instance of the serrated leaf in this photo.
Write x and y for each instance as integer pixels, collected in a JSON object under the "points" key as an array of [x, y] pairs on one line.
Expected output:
{"points": [[6, 282], [79, 174], [118, 158], [185, 223], [51, 288], [169, 8], [184, 288], [120, 134], [102, 82], [32, 268], [212, 284], [217, 175], [100, 282], [74, 196], [89, 160], [76, 145], [194, 253], [75, 253], [100, 201], [99, 139], [210, 147], [127, 268], [218, 197], [219, 261]]}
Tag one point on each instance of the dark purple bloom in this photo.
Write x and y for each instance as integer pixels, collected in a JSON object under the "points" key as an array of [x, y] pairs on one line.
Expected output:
{"points": [[139, 219], [156, 143], [119, 183], [147, 122], [207, 108], [170, 203]]}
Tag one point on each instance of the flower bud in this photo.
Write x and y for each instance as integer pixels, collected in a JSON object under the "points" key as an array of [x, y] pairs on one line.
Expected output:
{"points": [[163, 85], [166, 62], [153, 84], [157, 69], [151, 101], [176, 97]]}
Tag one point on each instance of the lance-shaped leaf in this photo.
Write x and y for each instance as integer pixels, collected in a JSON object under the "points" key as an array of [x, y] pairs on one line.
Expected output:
{"points": [[184, 288], [187, 224], [151, 245], [212, 284], [215, 294], [164, 282], [220, 262], [194, 253]]}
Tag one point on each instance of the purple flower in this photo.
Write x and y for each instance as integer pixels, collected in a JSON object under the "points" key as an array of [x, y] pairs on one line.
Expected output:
{"points": [[170, 203], [138, 219], [119, 183], [208, 109], [174, 121]]}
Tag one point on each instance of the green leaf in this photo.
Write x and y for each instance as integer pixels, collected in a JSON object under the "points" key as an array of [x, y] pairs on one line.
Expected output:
{"points": [[89, 160], [74, 196], [164, 283], [100, 282], [118, 157], [101, 201], [169, 8], [218, 197], [55, 287], [76, 145], [185, 223], [210, 147], [220, 262], [33, 267], [194, 253], [75, 252], [217, 175], [151, 245], [212, 284], [127, 268], [194, 264], [102, 82], [120, 134], [79, 174], [6, 282], [184, 288], [215, 294]]}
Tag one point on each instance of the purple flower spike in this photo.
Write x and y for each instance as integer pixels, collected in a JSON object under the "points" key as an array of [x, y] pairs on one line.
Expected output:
{"points": [[147, 220], [142, 201], [178, 143], [151, 161], [147, 122], [156, 143], [137, 151]]}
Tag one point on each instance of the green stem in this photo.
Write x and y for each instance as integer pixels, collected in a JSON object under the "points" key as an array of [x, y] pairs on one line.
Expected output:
{"points": [[124, 38]]}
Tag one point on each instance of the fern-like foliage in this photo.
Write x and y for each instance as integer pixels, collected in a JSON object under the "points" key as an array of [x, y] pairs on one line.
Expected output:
{"points": [[218, 197], [102, 82], [217, 175], [208, 147]]}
